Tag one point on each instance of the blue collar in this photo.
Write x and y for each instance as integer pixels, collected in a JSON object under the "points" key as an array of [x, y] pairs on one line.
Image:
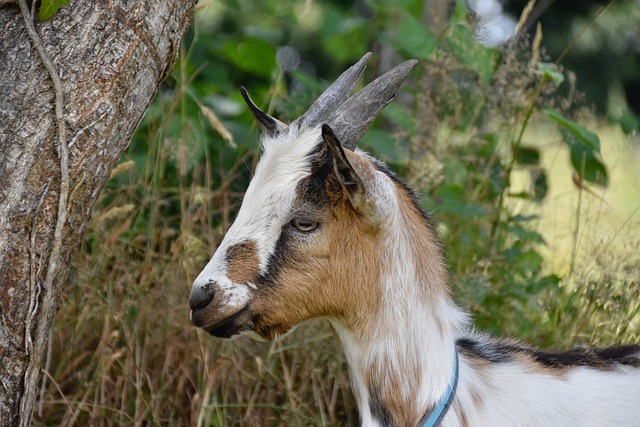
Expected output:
{"points": [[434, 418]]}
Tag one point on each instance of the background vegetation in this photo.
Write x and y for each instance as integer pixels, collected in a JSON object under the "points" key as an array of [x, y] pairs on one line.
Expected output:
{"points": [[537, 212]]}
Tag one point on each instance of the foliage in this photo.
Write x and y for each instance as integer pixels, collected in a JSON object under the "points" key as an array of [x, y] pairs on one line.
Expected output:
{"points": [[605, 55], [48, 8], [123, 349]]}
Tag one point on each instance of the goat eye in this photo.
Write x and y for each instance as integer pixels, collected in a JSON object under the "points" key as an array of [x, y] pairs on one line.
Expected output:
{"points": [[304, 225]]}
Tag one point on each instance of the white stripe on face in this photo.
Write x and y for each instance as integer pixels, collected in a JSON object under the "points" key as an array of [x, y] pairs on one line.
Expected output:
{"points": [[265, 210]]}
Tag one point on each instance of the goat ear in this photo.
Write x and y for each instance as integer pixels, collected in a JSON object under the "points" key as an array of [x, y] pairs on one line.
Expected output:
{"points": [[349, 179], [270, 125]]}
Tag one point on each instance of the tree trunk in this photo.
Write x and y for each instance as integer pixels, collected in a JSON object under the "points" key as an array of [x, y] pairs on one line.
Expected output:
{"points": [[111, 56]]}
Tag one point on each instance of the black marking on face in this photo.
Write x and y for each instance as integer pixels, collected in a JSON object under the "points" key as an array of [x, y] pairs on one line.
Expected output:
{"points": [[603, 358], [262, 328], [278, 258], [378, 410], [269, 280], [321, 189]]}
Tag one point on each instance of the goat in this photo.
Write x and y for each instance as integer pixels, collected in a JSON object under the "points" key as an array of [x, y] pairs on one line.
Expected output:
{"points": [[326, 230]]}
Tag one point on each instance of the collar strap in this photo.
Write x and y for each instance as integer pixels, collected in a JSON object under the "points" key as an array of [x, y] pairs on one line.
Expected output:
{"points": [[434, 418]]}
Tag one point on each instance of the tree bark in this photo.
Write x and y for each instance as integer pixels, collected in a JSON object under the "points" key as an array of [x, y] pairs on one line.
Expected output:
{"points": [[111, 55]]}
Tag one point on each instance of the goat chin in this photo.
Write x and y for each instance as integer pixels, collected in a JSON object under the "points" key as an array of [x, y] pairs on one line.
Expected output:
{"points": [[232, 325]]}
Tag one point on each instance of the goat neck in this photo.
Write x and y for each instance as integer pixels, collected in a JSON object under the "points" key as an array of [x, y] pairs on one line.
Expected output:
{"points": [[401, 353]]}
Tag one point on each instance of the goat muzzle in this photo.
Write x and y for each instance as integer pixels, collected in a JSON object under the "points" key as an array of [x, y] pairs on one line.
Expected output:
{"points": [[211, 312]]}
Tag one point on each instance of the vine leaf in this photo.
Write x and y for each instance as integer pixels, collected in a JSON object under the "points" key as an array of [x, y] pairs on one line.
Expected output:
{"points": [[584, 146], [576, 129], [48, 8], [550, 71]]}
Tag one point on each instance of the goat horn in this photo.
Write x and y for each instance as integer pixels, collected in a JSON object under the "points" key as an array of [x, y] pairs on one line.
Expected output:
{"points": [[353, 117], [334, 96], [269, 125]]}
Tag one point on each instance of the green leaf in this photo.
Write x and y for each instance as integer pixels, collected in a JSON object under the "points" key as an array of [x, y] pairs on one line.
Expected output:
{"points": [[341, 34], [550, 282], [524, 218], [451, 199], [590, 167], [529, 261], [630, 123], [525, 234], [342, 45], [48, 8], [461, 11], [584, 146], [414, 38], [540, 186], [251, 54], [585, 159], [132, 312], [550, 71], [528, 156], [400, 116], [576, 129]]}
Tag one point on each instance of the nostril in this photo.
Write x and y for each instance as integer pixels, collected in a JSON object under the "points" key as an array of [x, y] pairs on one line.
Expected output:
{"points": [[200, 297]]}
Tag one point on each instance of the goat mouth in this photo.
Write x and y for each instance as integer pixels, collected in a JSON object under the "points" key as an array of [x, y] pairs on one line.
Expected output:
{"points": [[231, 325]]}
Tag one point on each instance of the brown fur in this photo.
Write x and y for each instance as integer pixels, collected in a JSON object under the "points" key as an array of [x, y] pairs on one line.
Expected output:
{"points": [[476, 396], [390, 396], [242, 262], [316, 279], [346, 252], [464, 422]]}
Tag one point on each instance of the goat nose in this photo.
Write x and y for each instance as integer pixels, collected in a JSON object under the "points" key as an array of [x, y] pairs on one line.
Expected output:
{"points": [[200, 297]]}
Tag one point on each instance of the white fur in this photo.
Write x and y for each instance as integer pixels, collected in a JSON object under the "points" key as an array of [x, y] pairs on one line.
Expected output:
{"points": [[582, 397]]}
